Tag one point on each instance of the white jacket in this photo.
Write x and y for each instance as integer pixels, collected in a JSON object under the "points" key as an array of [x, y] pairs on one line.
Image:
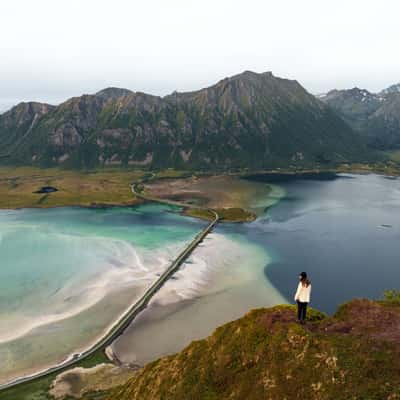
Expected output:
{"points": [[303, 293]]}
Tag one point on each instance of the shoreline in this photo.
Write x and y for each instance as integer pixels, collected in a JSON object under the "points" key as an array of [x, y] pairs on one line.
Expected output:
{"points": [[85, 347], [73, 356], [190, 313], [119, 325], [62, 198]]}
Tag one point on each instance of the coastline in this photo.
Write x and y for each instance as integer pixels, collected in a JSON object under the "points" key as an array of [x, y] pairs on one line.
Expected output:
{"points": [[367, 172], [124, 320], [82, 349], [213, 288]]}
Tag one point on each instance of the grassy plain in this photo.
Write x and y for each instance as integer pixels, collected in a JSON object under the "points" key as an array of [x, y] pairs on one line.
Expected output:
{"points": [[75, 188]]}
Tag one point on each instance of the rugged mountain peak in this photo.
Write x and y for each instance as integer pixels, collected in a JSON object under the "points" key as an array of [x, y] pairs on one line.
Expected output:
{"points": [[113, 93], [375, 115], [25, 111], [356, 94], [391, 90], [30, 107], [245, 90]]}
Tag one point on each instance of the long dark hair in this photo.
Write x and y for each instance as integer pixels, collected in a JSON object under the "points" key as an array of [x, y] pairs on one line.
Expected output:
{"points": [[304, 280]]}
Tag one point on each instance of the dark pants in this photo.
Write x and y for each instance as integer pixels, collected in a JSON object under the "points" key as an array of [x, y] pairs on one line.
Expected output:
{"points": [[301, 311]]}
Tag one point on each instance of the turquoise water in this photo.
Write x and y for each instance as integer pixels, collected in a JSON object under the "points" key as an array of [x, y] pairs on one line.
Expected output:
{"points": [[89, 264], [58, 266]]}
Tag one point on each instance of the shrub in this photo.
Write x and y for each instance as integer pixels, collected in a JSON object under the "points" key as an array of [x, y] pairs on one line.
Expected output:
{"points": [[392, 295]]}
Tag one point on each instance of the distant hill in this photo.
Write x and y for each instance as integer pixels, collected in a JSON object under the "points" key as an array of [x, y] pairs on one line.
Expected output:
{"points": [[267, 355], [375, 115], [249, 120]]}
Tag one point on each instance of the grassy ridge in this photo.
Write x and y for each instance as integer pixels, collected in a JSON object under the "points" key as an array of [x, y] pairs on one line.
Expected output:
{"points": [[267, 355]]}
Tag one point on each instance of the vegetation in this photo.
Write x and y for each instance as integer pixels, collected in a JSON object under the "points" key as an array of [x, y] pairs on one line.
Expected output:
{"points": [[83, 188], [235, 215], [247, 121], [225, 214], [267, 355], [39, 388], [392, 296], [353, 354]]}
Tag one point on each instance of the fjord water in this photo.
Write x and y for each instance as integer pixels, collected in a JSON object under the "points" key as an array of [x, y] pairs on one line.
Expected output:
{"points": [[344, 230], [67, 273]]}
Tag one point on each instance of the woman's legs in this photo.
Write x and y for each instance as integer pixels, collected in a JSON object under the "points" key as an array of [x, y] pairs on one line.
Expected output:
{"points": [[301, 311]]}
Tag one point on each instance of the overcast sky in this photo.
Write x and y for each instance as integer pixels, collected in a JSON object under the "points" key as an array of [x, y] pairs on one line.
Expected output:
{"points": [[54, 49]]}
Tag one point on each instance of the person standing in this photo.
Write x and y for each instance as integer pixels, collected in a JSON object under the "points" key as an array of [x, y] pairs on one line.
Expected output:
{"points": [[302, 297]]}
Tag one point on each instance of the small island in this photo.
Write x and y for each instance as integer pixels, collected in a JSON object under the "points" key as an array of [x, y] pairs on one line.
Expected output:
{"points": [[233, 214]]}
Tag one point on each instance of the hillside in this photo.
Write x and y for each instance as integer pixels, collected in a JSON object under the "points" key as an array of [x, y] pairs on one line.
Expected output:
{"points": [[267, 355], [375, 115], [248, 120]]}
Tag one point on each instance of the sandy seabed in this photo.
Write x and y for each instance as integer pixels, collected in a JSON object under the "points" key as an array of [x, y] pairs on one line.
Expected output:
{"points": [[222, 280]]}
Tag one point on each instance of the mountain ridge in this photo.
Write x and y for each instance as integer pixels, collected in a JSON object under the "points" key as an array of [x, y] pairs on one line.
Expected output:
{"points": [[249, 120], [376, 116]]}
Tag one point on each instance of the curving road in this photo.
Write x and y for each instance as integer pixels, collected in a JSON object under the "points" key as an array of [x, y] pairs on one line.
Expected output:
{"points": [[136, 308]]}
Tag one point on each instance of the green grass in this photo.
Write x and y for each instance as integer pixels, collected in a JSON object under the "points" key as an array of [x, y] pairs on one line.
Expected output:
{"points": [[225, 214], [392, 296], [235, 215], [75, 188], [267, 355]]}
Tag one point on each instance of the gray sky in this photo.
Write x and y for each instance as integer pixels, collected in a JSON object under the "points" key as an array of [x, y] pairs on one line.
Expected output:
{"points": [[54, 49]]}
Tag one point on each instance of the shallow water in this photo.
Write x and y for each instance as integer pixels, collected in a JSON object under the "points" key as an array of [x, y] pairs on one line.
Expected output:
{"points": [[222, 280], [67, 273], [343, 230]]}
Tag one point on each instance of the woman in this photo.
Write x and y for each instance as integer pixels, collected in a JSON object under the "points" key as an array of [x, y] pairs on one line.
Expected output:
{"points": [[302, 297]]}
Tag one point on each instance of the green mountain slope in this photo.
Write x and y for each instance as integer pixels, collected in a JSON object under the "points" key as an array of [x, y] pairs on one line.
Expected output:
{"points": [[249, 120], [267, 355]]}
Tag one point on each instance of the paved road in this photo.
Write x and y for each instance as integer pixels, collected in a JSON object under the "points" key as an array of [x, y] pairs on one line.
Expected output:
{"points": [[136, 308]]}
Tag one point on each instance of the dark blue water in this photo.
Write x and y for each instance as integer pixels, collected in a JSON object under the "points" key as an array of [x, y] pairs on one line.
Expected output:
{"points": [[344, 232]]}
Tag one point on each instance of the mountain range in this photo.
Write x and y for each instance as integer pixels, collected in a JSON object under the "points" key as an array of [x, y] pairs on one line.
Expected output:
{"points": [[249, 120], [376, 116]]}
